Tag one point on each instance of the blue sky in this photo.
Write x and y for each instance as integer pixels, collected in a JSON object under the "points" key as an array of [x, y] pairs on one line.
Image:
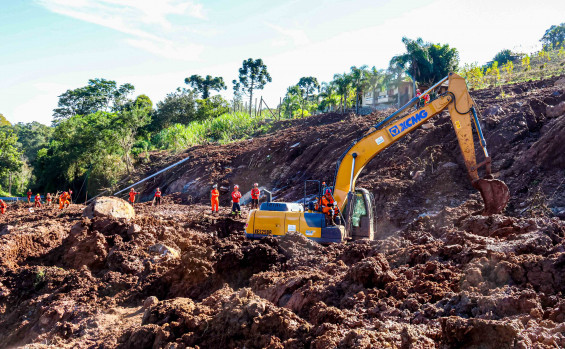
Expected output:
{"points": [[49, 46]]}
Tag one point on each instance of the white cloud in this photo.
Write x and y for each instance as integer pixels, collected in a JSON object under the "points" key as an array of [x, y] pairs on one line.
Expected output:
{"points": [[147, 21], [297, 36]]}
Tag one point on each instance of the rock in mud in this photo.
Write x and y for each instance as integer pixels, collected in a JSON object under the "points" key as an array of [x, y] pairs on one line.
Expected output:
{"points": [[109, 207], [164, 251]]}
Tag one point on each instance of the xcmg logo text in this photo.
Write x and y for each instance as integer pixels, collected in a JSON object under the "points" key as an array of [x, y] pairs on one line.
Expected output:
{"points": [[406, 124]]}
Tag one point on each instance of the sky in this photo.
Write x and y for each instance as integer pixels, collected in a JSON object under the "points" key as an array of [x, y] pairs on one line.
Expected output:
{"points": [[50, 46]]}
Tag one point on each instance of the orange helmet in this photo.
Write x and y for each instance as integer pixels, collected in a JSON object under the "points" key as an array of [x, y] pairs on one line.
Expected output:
{"points": [[328, 192]]}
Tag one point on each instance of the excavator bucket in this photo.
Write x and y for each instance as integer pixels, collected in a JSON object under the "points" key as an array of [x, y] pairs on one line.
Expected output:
{"points": [[495, 195]]}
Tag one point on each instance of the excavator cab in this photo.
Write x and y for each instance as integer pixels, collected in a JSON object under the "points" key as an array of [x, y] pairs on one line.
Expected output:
{"points": [[360, 215]]}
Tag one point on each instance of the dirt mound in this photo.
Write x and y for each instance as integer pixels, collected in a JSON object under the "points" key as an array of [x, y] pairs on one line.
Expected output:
{"points": [[439, 276]]}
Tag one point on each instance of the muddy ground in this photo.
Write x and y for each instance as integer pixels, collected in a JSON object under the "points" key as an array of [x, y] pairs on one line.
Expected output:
{"points": [[437, 277]]}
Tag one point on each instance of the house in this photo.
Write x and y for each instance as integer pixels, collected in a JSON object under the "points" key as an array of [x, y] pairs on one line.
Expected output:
{"points": [[394, 97]]}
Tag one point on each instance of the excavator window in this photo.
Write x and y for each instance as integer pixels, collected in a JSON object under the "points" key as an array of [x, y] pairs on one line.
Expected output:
{"points": [[359, 209]]}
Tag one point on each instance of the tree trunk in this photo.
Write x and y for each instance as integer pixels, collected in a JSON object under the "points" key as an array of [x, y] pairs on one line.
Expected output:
{"points": [[10, 185]]}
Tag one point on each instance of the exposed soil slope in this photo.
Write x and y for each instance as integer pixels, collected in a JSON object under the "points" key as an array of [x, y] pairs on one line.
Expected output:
{"points": [[438, 276]]}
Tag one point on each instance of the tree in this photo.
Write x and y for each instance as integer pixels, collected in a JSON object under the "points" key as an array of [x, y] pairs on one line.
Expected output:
{"points": [[503, 56], [329, 97], [10, 156], [204, 85], [554, 37], [360, 82], [343, 84], [253, 75], [426, 62], [98, 95], [126, 125], [178, 107], [308, 84], [3, 121], [32, 137], [293, 100], [376, 82]]}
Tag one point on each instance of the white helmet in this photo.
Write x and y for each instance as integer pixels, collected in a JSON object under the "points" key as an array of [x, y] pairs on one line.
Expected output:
{"points": [[236, 186]]}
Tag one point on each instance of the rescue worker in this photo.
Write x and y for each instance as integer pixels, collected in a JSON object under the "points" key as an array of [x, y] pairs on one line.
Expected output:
{"points": [[157, 197], [37, 200], [132, 194], [328, 208], [235, 196], [64, 200], [215, 199], [29, 193], [70, 195], [48, 199], [255, 193], [2, 206]]}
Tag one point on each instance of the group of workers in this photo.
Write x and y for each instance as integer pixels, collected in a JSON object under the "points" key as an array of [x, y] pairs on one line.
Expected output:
{"points": [[64, 200], [156, 196], [235, 198]]}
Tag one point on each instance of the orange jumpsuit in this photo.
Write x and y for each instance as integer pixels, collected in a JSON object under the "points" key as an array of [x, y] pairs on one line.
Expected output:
{"points": [[37, 201], [48, 199], [2, 207], [64, 200], [132, 195], [29, 196], [215, 200]]}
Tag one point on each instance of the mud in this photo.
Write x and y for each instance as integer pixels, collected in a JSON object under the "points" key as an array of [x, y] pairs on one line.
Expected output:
{"points": [[438, 276]]}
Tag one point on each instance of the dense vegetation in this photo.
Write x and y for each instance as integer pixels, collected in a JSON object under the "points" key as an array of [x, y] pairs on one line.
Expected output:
{"points": [[100, 131]]}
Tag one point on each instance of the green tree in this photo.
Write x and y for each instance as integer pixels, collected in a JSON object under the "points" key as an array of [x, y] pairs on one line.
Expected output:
{"points": [[3, 121], [474, 76], [204, 85], [493, 72], [360, 82], [10, 156], [293, 100], [503, 56], [526, 63], [554, 37], [426, 62], [377, 81], [343, 85], [211, 107], [178, 107], [308, 84], [253, 75], [126, 125], [329, 97], [98, 95]]}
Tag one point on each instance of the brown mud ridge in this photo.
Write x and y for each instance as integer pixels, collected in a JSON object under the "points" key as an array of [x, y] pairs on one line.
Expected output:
{"points": [[437, 277]]}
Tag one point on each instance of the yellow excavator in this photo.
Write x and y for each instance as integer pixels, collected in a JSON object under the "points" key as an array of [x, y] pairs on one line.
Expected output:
{"points": [[355, 206]]}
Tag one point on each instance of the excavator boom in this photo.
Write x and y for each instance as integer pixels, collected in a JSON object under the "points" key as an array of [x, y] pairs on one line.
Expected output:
{"points": [[461, 108]]}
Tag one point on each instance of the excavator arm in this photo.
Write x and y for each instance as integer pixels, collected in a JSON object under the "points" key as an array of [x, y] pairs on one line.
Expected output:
{"points": [[463, 113]]}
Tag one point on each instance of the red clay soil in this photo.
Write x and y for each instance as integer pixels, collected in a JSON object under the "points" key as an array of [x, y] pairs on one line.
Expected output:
{"points": [[438, 276]]}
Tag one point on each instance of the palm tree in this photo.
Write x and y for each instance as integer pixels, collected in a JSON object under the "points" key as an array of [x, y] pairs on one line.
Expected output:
{"points": [[376, 82], [343, 84], [329, 96], [360, 82]]}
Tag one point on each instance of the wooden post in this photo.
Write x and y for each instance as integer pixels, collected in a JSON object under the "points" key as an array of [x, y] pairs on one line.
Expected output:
{"points": [[10, 185], [260, 105], [280, 107]]}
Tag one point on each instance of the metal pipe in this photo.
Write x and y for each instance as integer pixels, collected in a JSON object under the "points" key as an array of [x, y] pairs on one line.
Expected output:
{"points": [[153, 175], [351, 189], [480, 131]]}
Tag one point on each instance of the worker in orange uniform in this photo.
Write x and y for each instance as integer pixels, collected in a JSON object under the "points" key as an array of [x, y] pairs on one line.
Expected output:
{"points": [[132, 194], [328, 206], [48, 199], [215, 199], [235, 196], [37, 200], [64, 200], [2, 206], [255, 193], [157, 197], [29, 193]]}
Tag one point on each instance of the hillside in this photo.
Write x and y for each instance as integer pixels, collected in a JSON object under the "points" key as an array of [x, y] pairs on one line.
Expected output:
{"points": [[436, 277]]}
